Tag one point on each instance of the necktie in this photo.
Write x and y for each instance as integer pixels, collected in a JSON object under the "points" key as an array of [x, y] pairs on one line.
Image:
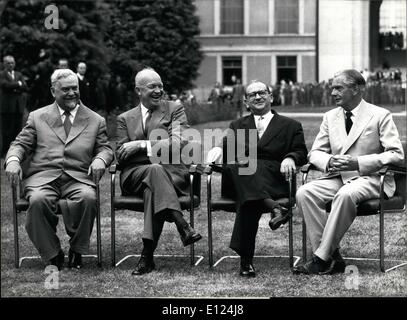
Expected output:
{"points": [[348, 121], [146, 124], [260, 126], [67, 122]]}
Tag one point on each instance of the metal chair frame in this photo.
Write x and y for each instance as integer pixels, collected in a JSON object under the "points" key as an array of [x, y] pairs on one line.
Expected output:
{"points": [[381, 211], [20, 204], [291, 200], [194, 190]]}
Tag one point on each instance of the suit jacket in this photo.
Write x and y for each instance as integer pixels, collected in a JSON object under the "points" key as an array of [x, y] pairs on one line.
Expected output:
{"points": [[84, 91], [12, 100], [373, 139], [51, 152], [284, 137], [170, 117]]}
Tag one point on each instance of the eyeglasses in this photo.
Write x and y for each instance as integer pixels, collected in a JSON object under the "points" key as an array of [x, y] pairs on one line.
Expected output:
{"points": [[252, 95]]}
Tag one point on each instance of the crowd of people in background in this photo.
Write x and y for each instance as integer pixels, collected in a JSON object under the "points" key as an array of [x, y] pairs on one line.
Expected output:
{"points": [[382, 87]]}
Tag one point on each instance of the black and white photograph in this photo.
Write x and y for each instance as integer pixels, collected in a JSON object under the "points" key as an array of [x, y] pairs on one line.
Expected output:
{"points": [[203, 157]]}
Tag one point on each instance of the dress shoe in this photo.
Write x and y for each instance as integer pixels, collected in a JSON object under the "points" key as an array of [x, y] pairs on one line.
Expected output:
{"points": [[337, 265], [74, 260], [144, 265], [247, 269], [315, 266], [189, 235], [280, 216], [58, 260]]}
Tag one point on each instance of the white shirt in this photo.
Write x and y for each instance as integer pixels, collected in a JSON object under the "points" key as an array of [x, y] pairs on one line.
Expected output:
{"points": [[72, 112], [355, 112], [262, 122], [80, 76]]}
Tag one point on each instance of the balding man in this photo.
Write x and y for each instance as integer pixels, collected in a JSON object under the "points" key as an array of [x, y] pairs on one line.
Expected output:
{"points": [[67, 150], [159, 184], [12, 102], [280, 147], [354, 141]]}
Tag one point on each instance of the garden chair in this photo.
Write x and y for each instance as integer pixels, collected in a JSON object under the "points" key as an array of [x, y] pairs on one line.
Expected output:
{"points": [[379, 206], [136, 203], [20, 204], [227, 203]]}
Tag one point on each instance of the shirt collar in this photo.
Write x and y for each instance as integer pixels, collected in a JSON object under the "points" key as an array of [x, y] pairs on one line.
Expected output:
{"points": [[80, 76], [72, 112], [355, 110], [266, 117]]}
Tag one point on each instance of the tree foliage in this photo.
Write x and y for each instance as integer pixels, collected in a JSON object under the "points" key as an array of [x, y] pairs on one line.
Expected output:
{"points": [[160, 34], [117, 37]]}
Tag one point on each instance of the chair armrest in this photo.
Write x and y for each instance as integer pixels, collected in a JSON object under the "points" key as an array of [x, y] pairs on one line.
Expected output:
{"points": [[391, 168], [113, 169], [307, 167], [196, 169]]}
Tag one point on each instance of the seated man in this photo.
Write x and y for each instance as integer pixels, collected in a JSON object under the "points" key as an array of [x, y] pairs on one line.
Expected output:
{"points": [[354, 141], [159, 184], [67, 150], [280, 147]]}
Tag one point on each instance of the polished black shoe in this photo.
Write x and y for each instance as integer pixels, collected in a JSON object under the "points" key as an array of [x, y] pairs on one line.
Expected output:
{"points": [[247, 269], [74, 260], [58, 260], [144, 265], [337, 265], [280, 216], [189, 235], [315, 266]]}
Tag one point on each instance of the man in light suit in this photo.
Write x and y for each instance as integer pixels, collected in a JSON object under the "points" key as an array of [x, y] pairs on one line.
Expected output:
{"points": [[280, 148], [12, 102], [159, 184], [355, 140], [66, 149]]}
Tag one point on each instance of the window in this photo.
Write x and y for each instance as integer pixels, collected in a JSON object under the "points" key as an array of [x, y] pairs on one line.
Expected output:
{"points": [[287, 68], [231, 17], [232, 70], [286, 16]]}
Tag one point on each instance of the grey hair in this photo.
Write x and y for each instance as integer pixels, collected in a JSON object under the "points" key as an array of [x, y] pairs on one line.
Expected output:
{"points": [[352, 78], [59, 74], [8, 57]]}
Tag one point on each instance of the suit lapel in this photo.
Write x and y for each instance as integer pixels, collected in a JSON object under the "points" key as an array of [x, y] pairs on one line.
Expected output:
{"points": [[54, 121], [80, 122], [272, 130], [156, 117], [338, 128], [135, 124], [361, 120]]}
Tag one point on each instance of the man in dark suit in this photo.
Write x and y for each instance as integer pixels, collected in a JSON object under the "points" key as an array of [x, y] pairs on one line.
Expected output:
{"points": [[12, 102], [159, 184], [280, 148], [65, 149], [84, 85]]}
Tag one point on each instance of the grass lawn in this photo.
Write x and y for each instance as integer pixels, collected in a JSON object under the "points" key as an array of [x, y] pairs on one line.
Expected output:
{"points": [[174, 277]]}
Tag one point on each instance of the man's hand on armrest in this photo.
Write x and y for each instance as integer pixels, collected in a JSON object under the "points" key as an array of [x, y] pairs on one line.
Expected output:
{"points": [[13, 171]]}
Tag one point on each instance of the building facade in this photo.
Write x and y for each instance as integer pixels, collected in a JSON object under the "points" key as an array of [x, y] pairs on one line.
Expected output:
{"points": [[269, 40], [297, 40]]}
